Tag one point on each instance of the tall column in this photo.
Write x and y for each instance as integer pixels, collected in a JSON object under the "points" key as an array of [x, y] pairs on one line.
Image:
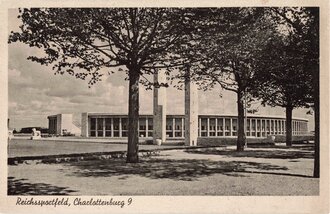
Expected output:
{"points": [[147, 128], [231, 127], [120, 128], [223, 126], [250, 126], [96, 127], [103, 127], [200, 127], [256, 128], [112, 132], [216, 127], [173, 125], [159, 110], [208, 127], [182, 127], [191, 113]]}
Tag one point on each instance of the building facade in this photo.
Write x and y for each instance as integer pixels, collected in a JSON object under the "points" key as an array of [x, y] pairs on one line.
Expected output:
{"points": [[62, 124], [101, 125]]}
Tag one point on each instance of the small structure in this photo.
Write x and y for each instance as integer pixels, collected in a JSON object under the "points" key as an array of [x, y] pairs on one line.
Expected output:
{"points": [[35, 134], [62, 124]]}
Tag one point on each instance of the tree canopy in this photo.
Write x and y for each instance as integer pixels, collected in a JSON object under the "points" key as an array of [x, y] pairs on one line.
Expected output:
{"points": [[81, 41]]}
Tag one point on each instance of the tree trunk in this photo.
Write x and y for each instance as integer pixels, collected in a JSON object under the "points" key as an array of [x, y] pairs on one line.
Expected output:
{"points": [[316, 173], [133, 117], [288, 125], [240, 132], [316, 91]]}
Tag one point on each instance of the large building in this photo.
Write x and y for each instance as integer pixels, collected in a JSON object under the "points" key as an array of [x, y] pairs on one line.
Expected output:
{"points": [[102, 125], [190, 126]]}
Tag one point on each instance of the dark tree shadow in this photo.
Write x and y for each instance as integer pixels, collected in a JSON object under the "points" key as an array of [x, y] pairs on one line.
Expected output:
{"points": [[183, 169], [22, 187], [268, 154]]}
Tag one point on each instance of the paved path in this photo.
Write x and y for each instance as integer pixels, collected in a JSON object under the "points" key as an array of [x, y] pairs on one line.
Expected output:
{"points": [[213, 171]]}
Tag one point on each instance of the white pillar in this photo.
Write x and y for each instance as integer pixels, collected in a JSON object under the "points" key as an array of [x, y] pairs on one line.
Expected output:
{"points": [[103, 127], [120, 128], [250, 126], [96, 127], [216, 127], [173, 125], [208, 127], [159, 108], [231, 127], [147, 129], [182, 127], [112, 132], [224, 126], [256, 128], [200, 127], [191, 113]]}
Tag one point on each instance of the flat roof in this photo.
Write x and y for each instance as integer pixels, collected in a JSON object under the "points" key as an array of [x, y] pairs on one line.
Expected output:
{"points": [[200, 115]]}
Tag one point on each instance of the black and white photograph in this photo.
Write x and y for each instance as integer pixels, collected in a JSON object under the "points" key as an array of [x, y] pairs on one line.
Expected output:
{"points": [[107, 104]]}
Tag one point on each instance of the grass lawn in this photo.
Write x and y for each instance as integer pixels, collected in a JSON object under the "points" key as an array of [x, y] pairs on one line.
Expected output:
{"points": [[212, 171], [25, 147]]}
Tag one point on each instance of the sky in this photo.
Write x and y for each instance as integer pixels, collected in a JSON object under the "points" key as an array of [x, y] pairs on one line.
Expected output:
{"points": [[34, 93]]}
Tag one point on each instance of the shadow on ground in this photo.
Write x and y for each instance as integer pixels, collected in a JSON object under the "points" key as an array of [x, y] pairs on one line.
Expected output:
{"points": [[279, 153], [183, 169], [23, 187]]}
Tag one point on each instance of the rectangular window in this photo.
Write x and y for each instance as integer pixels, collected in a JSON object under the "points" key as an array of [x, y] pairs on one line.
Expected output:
{"points": [[142, 133], [108, 133], [93, 133], [177, 134], [100, 127], [124, 123], [93, 123], [100, 124], [169, 134], [107, 123], [116, 124]]}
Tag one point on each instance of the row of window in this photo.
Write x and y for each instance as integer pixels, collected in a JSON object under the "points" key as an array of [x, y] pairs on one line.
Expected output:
{"points": [[117, 127]]}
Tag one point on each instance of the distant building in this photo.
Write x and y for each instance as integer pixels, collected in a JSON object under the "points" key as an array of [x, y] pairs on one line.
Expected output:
{"points": [[28, 130], [62, 124]]}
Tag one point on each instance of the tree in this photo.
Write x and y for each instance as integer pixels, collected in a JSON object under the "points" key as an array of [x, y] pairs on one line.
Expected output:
{"points": [[82, 41], [227, 42], [279, 79], [301, 36]]}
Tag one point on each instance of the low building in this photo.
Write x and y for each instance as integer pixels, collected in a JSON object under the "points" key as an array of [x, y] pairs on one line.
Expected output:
{"points": [[106, 125], [62, 124]]}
